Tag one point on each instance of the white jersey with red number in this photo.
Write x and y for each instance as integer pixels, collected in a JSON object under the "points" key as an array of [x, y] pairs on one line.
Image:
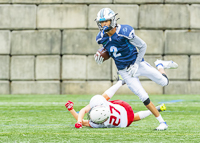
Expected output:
{"points": [[118, 116]]}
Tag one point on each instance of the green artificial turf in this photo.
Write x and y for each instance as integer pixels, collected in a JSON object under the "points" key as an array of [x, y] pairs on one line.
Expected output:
{"points": [[44, 118]]}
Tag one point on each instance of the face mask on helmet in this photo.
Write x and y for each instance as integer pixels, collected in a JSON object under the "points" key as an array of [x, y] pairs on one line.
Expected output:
{"points": [[99, 114], [104, 15]]}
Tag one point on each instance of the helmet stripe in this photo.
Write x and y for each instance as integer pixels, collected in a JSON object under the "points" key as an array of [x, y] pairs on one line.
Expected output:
{"points": [[102, 13]]}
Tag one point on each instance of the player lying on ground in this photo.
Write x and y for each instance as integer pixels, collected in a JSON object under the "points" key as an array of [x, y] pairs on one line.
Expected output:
{"points": [[108, 114]]}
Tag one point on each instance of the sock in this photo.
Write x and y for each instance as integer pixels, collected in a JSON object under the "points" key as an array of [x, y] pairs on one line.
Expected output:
{"points": [[111, 91], [160, 66], [160, 119], [144, 114]]}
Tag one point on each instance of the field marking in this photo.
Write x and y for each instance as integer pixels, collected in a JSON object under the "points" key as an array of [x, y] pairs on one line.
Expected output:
{"points": [[172, 101], [156, 132]]}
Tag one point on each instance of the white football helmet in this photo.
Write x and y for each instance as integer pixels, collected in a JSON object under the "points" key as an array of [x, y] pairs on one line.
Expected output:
{"points": [[99, 114], [103, 15]]}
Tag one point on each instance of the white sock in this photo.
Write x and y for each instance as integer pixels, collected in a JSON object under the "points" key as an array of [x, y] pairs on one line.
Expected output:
{"points": [[160, 119], [144, 114], [160, 67], [111, 91]]}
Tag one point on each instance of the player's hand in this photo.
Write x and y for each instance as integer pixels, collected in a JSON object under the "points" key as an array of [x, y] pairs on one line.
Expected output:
{"points": [[69, 105], [78, 125], [98, 58], [132, 69]]}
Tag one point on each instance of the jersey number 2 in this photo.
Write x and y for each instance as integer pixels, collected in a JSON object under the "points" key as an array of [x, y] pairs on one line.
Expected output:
{"points": [[114, 50], [112, 117]]}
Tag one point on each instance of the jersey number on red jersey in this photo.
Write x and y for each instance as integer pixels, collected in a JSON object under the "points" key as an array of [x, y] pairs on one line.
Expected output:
{"points": [[112, 117]]}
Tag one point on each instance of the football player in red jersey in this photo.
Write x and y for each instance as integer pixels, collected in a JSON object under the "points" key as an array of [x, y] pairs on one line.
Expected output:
{"points": [[108, 114]]}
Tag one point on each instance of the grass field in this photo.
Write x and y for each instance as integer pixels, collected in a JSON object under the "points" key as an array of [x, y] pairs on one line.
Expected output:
{"points": [[44, 118]]}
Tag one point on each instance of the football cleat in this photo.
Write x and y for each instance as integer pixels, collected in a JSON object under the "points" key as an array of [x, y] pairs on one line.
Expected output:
{"points": [[161, 107], [162, 126], [119, 77], [166, 64]]}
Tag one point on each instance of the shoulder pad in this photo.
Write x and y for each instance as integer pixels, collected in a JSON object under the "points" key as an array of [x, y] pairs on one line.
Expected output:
{"points": [[126, 31]]}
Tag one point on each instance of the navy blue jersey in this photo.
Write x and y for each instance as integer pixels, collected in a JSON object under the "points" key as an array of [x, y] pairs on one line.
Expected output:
{"points": [[119, 47]]}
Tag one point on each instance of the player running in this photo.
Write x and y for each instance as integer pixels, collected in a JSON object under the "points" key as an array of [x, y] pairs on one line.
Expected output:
{"points": [[121, 42], [108, 114]]}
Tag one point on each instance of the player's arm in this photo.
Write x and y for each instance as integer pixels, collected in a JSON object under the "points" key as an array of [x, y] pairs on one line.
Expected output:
{"points": [[141, 45], [82, 112], [69, 106], [84, 122], [74, 113], [137, 42]]}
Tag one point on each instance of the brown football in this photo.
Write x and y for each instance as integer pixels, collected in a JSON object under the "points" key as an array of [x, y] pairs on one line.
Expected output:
{"points": [[104, 53]]}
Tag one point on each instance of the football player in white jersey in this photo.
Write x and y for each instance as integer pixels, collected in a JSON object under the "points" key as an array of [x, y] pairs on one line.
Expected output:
{"points": [[108, 114], [120, 41]]}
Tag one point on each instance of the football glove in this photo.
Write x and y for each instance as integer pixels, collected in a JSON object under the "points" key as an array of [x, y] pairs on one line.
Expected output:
{"points": [[132, 69], [69, 105], [98, 58], [78, 125]]}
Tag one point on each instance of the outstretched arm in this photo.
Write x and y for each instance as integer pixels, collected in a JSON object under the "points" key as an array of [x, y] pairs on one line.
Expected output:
{"points": [[74, 113], [69, 106]]}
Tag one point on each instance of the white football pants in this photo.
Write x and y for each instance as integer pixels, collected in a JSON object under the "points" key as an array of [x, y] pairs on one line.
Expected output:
{"points": [[145, 69]]}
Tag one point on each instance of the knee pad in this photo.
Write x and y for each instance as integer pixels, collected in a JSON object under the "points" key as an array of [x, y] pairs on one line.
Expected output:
{"points": [[146, 102], [166, 78]]}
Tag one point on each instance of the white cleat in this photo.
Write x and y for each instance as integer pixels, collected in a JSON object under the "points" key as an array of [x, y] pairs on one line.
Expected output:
{"points": [[166, 64], [162, 126]]}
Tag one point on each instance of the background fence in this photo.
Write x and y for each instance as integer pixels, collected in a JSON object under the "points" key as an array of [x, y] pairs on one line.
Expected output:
{"points": [[47, 46]]}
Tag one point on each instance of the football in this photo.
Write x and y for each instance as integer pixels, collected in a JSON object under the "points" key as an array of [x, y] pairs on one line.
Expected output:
{"points": [[104, 53]]}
